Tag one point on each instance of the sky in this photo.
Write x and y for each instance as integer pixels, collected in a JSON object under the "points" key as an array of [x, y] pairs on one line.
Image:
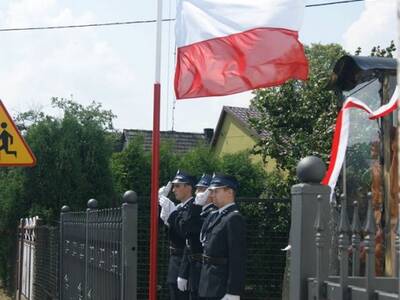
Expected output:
{"points": [[115, 65]]}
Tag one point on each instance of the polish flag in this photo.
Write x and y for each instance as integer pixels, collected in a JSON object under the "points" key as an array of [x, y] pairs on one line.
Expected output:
{"points": [[230, 46]]}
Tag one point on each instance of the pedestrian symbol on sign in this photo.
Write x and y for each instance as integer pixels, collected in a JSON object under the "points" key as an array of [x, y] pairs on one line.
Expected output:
{"points": [[6, 138]]}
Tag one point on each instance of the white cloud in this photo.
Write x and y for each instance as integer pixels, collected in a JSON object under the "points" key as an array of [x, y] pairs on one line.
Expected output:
{"points": [[376, 25], [38, 65]]}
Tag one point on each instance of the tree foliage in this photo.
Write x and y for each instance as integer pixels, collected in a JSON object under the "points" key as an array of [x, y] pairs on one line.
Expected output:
{"points": [[73, 153], [131, 168], [298, 117]]}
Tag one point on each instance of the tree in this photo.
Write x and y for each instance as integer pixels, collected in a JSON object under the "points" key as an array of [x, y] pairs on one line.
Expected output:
{"points": [[299, 117], [73, 153], [131, 168], [12, 208]]}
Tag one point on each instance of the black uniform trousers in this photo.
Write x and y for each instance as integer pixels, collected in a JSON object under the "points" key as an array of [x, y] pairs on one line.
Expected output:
{"points": [[223, 269], [190, 225], [177, 244]]}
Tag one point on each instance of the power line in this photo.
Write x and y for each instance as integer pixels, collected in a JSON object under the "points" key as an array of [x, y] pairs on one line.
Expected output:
{"points": [[139, 21], [83, 25], [333, 3]]}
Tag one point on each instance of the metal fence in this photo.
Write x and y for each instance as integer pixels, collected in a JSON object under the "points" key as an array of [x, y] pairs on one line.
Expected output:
{"points": [[99, 252], [356, 247], [37, 261], [267, 233], [26, 257], [92, 256], [46, 263]]}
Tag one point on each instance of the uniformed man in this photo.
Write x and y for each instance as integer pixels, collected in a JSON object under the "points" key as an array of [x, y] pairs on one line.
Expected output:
{"points": [[191, 224], [183, 184], [224, 241]]}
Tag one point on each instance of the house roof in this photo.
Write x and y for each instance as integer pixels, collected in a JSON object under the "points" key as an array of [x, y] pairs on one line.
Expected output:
{"points": [[183, 141], [241, 115]]}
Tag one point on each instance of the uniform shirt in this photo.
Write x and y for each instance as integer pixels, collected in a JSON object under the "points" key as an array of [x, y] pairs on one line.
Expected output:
{"points": [[190, 225], [224, 239], [220, 210], [176, 240]]}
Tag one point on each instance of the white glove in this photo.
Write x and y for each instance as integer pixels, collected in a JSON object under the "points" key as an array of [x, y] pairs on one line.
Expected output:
{"points": [[201, 198], [164, 216], [165, 190], [231, 297], [182, 284], [165, 202], [167, 207]]}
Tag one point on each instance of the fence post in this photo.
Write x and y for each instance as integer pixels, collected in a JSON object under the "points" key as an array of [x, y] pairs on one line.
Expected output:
{"points": [[129, 245], [319, 243], [91, 205], [344, 231], [310, 171], [65, 209], [370, 230], [355, 241], [21, 256], [35, 238]]}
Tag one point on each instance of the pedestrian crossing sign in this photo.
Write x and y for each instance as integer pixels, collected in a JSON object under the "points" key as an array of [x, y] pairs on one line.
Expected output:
{"points": [[13, 149]]}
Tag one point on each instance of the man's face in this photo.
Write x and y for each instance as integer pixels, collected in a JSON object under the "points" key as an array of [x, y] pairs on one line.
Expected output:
{"points": [[221, 196], [182, 191]]}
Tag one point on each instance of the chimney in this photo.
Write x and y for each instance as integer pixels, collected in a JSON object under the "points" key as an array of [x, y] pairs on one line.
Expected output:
{"points": [[208, 134]]}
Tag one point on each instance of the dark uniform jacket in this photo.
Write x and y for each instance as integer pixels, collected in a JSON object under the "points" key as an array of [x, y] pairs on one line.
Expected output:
{"points": [[224, 238], [177, 242], [190, 225]]}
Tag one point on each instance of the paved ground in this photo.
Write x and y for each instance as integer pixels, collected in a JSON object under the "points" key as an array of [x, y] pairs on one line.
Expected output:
{"points": [[3, 296]]}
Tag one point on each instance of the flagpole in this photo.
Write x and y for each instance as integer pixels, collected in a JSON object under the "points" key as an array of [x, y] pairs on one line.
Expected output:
{"points": [[155, 162]]}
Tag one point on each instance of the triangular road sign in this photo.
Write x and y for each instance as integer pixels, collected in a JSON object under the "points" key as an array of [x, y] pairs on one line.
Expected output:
{"points": [[13, 149]]}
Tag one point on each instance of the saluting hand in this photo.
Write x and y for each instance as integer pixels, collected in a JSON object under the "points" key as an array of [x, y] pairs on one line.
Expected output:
{"points": [[165, 190], [167, 207]]}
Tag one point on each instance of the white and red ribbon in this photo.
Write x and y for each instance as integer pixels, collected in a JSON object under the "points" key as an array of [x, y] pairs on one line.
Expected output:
{"points": [[341, 135]]}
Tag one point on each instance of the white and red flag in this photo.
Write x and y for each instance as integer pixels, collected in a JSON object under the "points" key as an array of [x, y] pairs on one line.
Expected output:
{"points": [[230, 46]]}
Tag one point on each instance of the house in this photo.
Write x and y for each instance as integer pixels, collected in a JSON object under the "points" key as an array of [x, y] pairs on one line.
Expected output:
{"points": [[182, 141], [233, 133]]}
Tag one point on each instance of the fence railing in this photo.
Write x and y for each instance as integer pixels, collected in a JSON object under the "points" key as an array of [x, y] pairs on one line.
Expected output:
{"points": [[98, 252], [26, 257], [311, 242], [92, 254], [46, 263], [267, 223]]}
